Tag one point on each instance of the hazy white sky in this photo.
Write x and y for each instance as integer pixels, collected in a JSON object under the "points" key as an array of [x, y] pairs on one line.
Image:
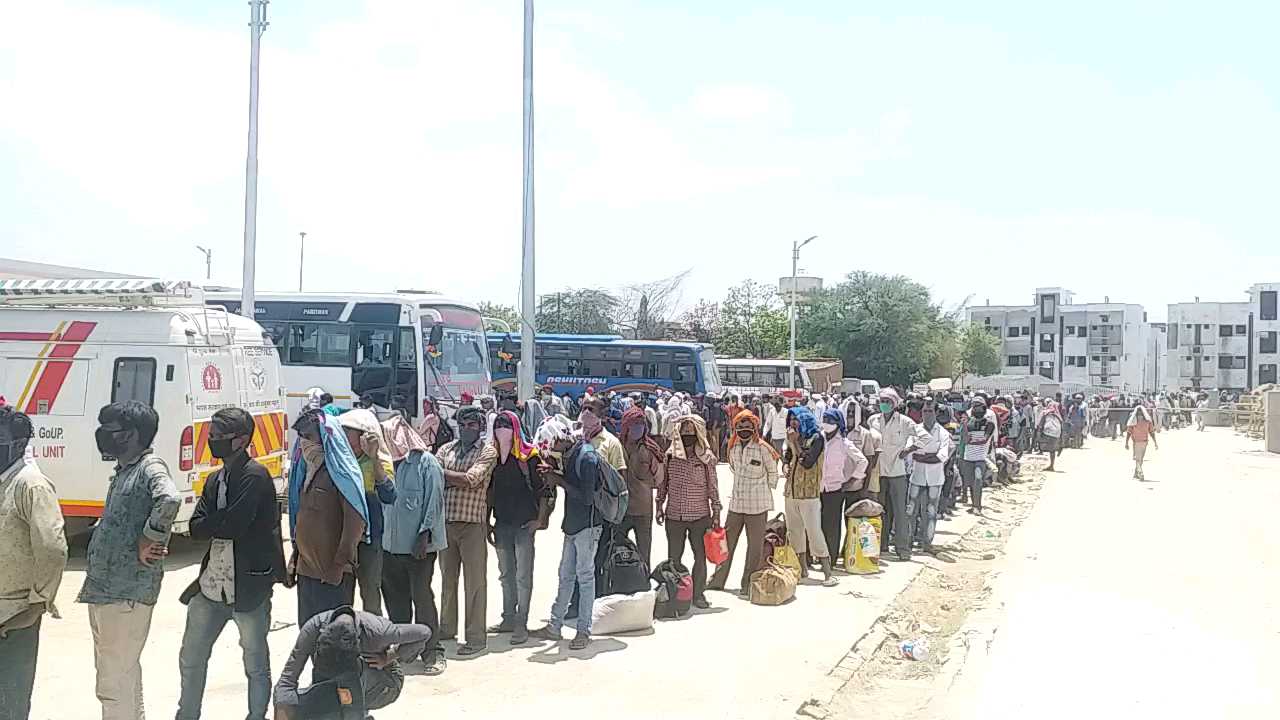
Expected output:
{"points": [[1121, 149]]}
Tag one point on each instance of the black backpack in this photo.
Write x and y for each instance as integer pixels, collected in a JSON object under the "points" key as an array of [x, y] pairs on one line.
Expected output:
{"points": [[675, 590], [623, 571]]}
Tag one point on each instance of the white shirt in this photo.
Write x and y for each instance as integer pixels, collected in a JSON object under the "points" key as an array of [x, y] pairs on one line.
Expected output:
{"points": [[939, 441], [896, 435], [776, 420]]}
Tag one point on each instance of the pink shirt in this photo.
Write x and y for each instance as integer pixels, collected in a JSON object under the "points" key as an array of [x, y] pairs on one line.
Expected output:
{"points": [[834, 453]]}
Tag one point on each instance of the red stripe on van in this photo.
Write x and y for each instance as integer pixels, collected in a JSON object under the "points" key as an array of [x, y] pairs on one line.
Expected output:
{"points": [[55, 372]]}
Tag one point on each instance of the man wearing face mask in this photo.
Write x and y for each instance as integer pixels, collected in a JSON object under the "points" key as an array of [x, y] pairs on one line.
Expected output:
{"points": [[609, 448], [468, 467], [126, 554], [754, 463], [643, 464], [237, 514], [518, 490], [927, 477], [842, 463], [33, 554], [899, 437], [688, 499], [377, 474]]}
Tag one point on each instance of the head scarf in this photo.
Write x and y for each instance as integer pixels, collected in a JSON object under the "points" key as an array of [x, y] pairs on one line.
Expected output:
{"points": [[592, 424], [552, 430], [746, 417], [857, 413], [703, 448], [803, 416], [833, 415], [1133, 416], [343, 469], [1053, 409], [523, 450], [634, 417]]}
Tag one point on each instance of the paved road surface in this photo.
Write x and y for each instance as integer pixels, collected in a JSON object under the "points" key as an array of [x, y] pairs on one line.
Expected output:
{"points": [[1145, 600]]}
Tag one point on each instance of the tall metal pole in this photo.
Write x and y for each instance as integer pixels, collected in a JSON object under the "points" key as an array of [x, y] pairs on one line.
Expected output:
{"points": [[257, 24], [528, 297], [302, 256], [208, 261], [795, 259]]}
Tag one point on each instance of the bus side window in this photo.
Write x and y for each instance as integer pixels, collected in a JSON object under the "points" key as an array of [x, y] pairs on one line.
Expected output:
{"points": [[134, 379], [684, 377], [407, 372]]}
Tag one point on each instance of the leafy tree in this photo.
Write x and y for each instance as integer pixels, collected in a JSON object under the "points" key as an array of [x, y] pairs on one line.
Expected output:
{"points": [[701, 322], [586, 311], [883, 327], [752, 322], [504, 313], [978, 351]]}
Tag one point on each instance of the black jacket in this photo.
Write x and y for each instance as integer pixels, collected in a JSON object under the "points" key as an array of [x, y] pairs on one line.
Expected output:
{"points": [[251, 520]]}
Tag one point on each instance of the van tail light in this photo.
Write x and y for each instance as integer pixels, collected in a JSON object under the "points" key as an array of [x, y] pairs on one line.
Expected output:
{"points": [[187, 449]]}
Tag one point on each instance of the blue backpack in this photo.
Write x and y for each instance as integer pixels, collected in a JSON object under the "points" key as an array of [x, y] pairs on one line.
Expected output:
{"points": [[611, 496]]}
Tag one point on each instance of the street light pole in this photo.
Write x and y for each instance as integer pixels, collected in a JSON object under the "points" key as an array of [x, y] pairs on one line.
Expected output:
{"points": [[257, 24], [302, 256], [795, 261], [528, 299], [208, 262]]}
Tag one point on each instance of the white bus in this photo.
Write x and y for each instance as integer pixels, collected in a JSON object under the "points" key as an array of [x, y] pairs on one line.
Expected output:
{"points": [[394, 349], [753, 375]]}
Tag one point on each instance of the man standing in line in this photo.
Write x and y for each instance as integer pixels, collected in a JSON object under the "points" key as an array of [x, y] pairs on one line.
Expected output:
{"points": [[594, 412], [413, 536], [899, 437], [688, 499], [979, 433], [927, 476], [126, 555], [33, 554], [468, 466], [576, 468], [643, 464], [755, 475], [238, 515], [377, 474], [518, 489]]}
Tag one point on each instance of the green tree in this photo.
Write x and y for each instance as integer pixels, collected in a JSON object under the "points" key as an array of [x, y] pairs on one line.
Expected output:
{"points": [[588, 311], [978, 351], [701, 322], [503, 313], [752, 322], [884, 327]]}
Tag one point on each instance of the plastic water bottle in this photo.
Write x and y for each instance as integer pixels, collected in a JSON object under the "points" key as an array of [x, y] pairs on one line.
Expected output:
{"points": [[914, 649]]}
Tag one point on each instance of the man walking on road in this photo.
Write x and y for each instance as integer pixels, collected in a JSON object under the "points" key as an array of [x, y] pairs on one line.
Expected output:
{"points": [[238, 515], [468, 465], [1139, 431], [899, 437], [33, 554], [126, 555]]}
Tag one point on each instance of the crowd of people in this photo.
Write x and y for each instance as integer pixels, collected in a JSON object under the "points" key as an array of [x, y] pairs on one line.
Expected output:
{"points": [[376, 505]]}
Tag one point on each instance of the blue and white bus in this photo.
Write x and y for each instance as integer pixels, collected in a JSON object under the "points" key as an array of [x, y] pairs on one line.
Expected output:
{"points": [[572, 363]]}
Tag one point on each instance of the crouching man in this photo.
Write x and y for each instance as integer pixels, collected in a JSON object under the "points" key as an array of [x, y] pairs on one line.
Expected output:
{"points": [[355, 659]]}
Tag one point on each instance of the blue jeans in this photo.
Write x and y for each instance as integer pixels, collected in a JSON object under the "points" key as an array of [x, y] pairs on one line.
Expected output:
{"points": [[515, 572], [922, 508], [577, 561], [205, 621]]}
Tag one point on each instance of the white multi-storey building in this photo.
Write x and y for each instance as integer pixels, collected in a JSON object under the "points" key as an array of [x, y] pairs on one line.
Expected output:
{"points": [[1094, 344], [1224, 345]]}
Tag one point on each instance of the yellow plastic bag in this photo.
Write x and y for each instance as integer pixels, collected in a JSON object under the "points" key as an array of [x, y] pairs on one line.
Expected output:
{"points": [[785, 556], [862, 545]]}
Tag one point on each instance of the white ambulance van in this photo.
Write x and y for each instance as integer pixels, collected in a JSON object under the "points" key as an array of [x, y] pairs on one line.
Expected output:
{"points": [[70, 347]]}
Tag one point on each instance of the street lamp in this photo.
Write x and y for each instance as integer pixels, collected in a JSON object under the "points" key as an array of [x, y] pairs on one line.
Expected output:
{"points": [[208, 262], [302, 256], [795, 260]]}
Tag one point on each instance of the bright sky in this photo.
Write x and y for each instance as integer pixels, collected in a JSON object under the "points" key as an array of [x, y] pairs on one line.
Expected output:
{"points": [[1128, 149]]}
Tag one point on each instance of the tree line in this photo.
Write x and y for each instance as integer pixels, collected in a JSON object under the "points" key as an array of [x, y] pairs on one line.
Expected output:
{"points": [[885, 327]]}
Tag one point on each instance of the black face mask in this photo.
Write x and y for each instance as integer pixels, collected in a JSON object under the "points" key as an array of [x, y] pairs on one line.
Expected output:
{"points": [[689, 440], [221, 448], [9, 454], [107, 443]]}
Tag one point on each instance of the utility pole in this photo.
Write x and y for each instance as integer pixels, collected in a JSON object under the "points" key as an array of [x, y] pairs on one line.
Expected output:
{"points": [[795, 261], [257, 24], [302, 255], [527, 297], [208, 262]]}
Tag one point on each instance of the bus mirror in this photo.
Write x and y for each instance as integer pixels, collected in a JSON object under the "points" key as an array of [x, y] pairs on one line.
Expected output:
{"points": [[437, 335]]}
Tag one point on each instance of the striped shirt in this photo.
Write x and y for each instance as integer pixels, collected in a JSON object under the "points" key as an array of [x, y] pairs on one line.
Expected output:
{"points": [[470, 503]]}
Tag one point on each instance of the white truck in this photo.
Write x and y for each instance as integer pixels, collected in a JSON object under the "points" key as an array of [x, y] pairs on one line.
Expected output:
{"points": [[70, 347]]}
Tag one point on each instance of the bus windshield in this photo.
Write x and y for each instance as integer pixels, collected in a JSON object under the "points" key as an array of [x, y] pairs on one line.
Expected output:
{"points": [[461, 361], [710, 374]]}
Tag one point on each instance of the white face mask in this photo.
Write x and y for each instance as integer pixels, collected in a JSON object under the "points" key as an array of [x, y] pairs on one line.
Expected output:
{"points": [[829, 427]]}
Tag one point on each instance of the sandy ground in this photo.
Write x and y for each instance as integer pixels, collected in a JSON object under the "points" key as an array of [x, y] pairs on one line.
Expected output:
{"points": [[1128, 599], [735, 660]]}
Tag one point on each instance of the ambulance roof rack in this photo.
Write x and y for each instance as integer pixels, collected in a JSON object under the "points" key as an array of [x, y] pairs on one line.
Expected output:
{"points": [[115, 292]]}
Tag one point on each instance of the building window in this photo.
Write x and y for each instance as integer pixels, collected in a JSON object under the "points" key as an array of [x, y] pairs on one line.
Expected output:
{"points": [[1097, 358], [1026, 330], [1241, 329], [1225, 331], [1267, 305], [1013, 332], [1206, 326], [1019, 361], [1071, 330], [1266, 374], [1104, 318], [1080, 360], [1267, 342], [1112, 358], [1046, 343], [1071, 361], [1189, 326], [1082, 331], [1231, 362], [1049, 308], [986, 321]]}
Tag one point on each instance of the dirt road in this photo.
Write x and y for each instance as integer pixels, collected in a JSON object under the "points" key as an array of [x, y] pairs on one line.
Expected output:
{"points": [[1120, 598]]}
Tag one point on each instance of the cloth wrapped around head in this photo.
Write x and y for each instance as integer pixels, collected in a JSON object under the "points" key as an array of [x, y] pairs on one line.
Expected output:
{"points": [[635, 427], [748, 420], [702, 447], [514, 442], [835, 417], [554, 429], [808, 426]]}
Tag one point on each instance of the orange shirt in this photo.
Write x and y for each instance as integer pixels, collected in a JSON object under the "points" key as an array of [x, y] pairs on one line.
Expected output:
{"points": [[1140, 431]]}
